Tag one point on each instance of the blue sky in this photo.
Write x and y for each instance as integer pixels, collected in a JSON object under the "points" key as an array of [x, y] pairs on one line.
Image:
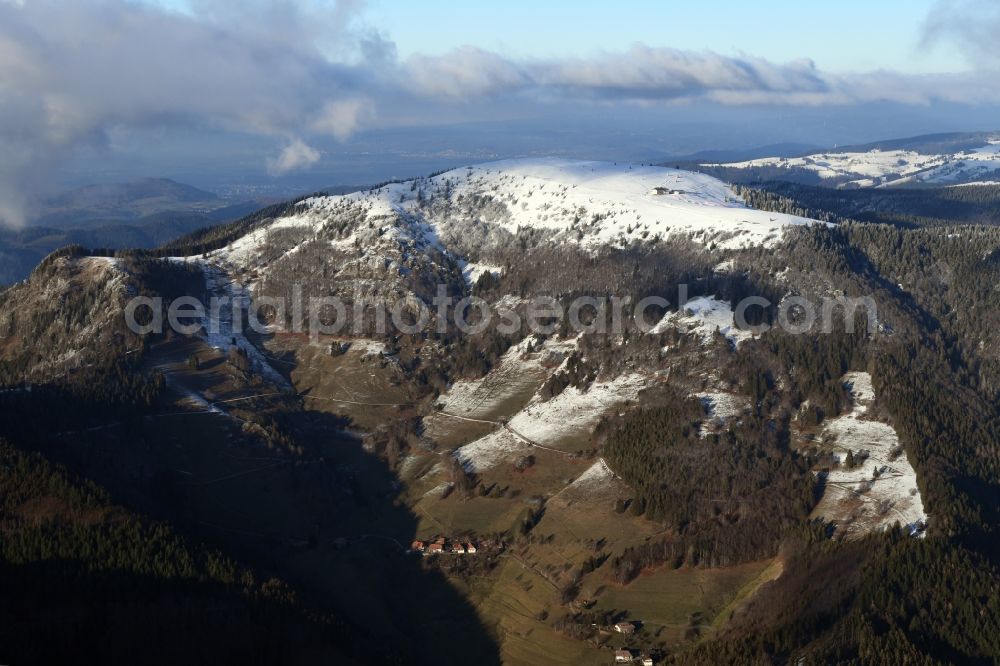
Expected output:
{"points": [[843, 36], [848, 35]]}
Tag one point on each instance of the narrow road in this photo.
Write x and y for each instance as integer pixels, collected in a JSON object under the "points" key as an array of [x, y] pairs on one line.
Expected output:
{"points": [[530, 442], [506, 426]]}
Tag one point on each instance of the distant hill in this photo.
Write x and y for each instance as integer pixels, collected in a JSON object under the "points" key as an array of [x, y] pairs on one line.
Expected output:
{"points": [[143, 213], [925, 161], [140, 214], [774, 149], [123, 201], [928, 144], [22, 249]]}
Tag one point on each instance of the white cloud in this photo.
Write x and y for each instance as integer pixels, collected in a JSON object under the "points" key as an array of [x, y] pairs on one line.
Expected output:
{"points": [[296, 155], [342, 118], [645, 74], [465, 73]]}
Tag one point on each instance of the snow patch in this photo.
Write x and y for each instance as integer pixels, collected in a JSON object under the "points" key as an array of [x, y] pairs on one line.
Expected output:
{"points": [[704, 316], [367, 347], [440, 490], [571, 414], [720, 408], [597, 477], [473, 271], [881, 490]]}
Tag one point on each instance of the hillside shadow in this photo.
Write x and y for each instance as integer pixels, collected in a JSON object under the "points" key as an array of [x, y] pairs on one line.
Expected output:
{"points": [[362, 547], [323, 513], [60, 611]]}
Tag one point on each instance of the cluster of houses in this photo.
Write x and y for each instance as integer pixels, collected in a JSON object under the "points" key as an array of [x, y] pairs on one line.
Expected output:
{"points": [[442, 545], [626, 657]]}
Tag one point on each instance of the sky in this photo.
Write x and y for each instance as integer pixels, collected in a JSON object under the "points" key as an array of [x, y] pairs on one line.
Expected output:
{"points": [[850, 35], [286, 95], [844, 36]]}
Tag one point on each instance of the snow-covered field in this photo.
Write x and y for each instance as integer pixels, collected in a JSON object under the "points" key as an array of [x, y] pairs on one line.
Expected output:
{"points": [[881, 490], [571, 415], [888, 168], [704, 316], [575, 413], [517, 373], [507, 388], [494, 449], [246, 251]]}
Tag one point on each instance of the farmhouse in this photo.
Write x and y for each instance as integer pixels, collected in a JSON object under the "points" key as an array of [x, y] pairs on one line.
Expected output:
{"points": [[470, 548], [626, 628], [418, 547], [623, 656], [435, 548], [458, 549]]}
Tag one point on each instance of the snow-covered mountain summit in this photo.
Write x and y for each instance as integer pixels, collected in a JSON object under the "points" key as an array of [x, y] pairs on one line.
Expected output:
{"points": [[600, 203], [585, 204]]}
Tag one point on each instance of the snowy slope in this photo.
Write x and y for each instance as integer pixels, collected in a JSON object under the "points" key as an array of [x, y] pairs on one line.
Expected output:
{"points": [[590, 204], [573, 414], [891, 168]]}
